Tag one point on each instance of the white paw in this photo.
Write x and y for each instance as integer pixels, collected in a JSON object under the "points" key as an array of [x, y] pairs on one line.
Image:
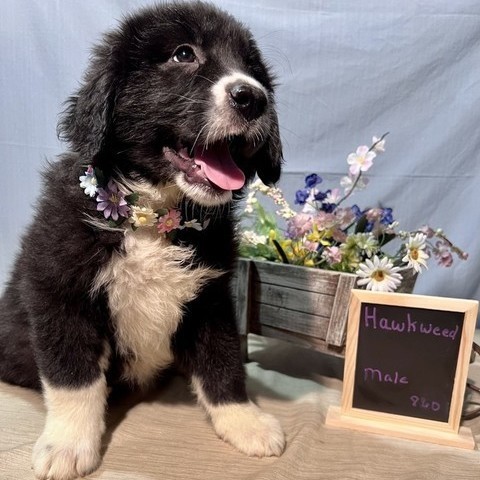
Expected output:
{"points": [[64, 460], [248, 429]]}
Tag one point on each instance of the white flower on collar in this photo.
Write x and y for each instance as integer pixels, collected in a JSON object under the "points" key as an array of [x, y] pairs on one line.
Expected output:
{"points": [[142, 217], [89, 182]]}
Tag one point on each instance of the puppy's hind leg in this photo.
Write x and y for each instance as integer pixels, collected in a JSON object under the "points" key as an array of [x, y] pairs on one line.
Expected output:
{"points": [[70, 444]]}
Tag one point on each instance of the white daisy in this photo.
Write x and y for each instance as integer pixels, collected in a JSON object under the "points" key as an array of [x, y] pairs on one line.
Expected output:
{"points": [[416, 255], [379, 275], [142, 217]]}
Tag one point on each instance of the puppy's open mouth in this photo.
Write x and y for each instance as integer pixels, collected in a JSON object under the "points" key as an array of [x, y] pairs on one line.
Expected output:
{"points": [[212, 166]]}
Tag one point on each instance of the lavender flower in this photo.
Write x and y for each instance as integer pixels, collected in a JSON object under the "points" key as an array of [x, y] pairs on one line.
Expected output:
{"points": [[111, 201]]}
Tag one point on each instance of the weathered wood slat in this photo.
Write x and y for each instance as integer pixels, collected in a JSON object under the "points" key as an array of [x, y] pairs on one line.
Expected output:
{"points": [[339, 313], [290, 320], [292, 276], [297, 300]]}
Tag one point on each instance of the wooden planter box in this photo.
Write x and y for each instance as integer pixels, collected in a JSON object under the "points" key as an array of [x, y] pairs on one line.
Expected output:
{"points": [[302, 305]]}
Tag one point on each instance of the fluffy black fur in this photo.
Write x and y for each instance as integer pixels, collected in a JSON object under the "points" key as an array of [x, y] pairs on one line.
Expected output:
{"points": [[134, 101]]}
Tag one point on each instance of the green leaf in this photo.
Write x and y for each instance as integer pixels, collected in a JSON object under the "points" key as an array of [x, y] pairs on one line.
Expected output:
{"points": [[132, 198], [162, 212]]}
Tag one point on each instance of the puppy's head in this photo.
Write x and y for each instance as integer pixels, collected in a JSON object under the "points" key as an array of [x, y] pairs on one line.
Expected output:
{"points": [[179, 94]]}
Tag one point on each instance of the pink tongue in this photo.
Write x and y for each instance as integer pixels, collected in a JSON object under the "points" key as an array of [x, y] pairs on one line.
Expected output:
{"points": [[219, 167]]}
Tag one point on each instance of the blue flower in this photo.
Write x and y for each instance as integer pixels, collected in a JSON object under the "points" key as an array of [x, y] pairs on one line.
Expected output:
{"points": [[301, 196], [387, 217], [312, 180], [356, 211]]}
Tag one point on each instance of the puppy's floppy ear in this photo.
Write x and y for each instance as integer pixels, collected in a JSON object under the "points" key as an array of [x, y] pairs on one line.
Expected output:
{"points": [[269, 158], [86, 121]]}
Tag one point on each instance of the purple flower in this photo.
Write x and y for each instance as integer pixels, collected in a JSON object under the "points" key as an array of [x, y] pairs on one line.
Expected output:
{"points": [[112, 202], [312, 180], [301, 197]]}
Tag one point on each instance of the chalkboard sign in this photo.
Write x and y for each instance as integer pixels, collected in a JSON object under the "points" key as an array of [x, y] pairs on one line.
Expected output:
{"points": [[406, 366], [407, 360]]}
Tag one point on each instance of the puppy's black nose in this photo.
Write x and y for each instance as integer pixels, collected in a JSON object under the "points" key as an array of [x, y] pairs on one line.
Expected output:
{"points": [[249, 100]]}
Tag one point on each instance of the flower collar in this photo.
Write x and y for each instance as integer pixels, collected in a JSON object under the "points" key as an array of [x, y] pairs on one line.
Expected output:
{"points": [[118, 207]]}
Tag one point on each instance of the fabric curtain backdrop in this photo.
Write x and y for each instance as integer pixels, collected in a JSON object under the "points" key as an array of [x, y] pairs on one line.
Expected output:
{"points": [[347, 70]]}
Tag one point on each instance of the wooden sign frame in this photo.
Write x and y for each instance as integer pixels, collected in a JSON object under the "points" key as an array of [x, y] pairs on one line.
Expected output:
{"points": [[444, 433]]}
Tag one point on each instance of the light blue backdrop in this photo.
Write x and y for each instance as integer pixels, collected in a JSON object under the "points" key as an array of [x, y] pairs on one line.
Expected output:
{"points": [[347, 70]]}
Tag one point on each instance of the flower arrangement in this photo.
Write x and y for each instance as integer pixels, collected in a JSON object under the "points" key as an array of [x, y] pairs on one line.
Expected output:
{"points": [[327, 234], [119, 206]]}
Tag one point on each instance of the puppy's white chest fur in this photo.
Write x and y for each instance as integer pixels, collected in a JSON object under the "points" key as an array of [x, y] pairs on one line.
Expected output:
{"points": [[147, 286]]}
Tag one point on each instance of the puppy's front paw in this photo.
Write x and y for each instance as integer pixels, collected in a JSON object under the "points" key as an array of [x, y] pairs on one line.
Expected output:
{"points": [[62, 459], [248, 429]]}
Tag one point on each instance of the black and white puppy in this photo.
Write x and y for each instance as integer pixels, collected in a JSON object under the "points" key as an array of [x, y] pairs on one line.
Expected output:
{"points": [[128, 273]]}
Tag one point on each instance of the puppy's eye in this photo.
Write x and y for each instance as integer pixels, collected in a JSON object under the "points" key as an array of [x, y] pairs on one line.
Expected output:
{"points": [[184, 54]]}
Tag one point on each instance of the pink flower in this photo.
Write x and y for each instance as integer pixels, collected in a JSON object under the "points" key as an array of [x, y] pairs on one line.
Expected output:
{"points": [[168, 222], [299, 225], [325, 221], [361, 160], [332, 255], [310, 246], [334, 196], [339, 235], [345, 217], [374, 214], [443, 255]]}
